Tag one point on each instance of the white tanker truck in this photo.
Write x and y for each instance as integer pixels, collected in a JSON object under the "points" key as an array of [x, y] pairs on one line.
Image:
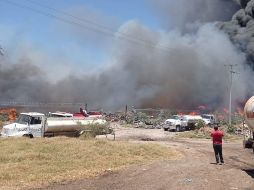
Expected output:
{"points": [[249, 120], [34, 124]]}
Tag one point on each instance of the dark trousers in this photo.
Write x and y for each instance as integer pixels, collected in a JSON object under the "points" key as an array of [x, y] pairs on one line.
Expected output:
{"points": [[218, 152]]}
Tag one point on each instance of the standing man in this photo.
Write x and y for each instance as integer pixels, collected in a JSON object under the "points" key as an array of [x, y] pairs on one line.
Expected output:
{"points": [[217, 144]]}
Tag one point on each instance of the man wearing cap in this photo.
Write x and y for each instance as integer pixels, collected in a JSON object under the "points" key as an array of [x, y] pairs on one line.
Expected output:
{"points": [[217, 144]]}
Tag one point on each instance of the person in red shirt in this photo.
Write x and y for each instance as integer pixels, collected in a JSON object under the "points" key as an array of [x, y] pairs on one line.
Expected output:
{"points": [[217, 144]]}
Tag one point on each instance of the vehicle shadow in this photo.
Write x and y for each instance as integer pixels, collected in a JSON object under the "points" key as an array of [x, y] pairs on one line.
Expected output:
{"points": [[250, 172]]}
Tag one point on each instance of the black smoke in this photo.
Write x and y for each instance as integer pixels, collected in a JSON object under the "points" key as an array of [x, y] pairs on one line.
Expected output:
{"points": [[241, 30], [183, 14]]}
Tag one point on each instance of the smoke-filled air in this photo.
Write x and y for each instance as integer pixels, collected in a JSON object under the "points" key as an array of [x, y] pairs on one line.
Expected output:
{"points": [[181, 66]]}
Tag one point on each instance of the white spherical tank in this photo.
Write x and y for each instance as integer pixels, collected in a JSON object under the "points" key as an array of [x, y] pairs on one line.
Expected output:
{"points": [[249, 113]]}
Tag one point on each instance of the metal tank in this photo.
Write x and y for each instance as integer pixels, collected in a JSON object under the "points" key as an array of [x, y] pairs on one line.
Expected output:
{"points": [[249, 113], [56, 125]]}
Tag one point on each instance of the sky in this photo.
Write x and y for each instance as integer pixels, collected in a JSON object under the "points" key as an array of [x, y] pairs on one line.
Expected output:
{"points": [[147, 53], [22, 25]]}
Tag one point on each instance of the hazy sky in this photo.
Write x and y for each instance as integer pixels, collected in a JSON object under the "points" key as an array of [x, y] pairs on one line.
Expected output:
{"points": [[109, 53], [27, 28]]}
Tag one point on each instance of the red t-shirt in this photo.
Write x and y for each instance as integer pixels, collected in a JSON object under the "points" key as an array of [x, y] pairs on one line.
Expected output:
{"points": [[217, 137]]}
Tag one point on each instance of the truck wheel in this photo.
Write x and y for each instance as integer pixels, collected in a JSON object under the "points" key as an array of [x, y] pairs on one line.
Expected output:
{"points": [[165, 129], [28, 136], [244, 143], [177, 128]]}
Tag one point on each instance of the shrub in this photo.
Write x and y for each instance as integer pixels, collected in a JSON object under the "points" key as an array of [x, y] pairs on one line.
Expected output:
{"points": [[93, 130], [230, 129], [200, 124], [4, 117]]}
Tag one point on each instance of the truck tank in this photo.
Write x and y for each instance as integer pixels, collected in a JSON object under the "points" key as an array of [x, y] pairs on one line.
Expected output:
{"points": [[249, 113], [54, 125], [249, 120]]}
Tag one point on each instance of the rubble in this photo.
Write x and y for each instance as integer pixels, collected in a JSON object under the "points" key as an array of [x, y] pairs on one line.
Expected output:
{"points": [[8, 114]]}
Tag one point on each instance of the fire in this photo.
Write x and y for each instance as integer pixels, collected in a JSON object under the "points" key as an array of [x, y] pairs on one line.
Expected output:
{"points": [[225, 110], [180, 113], [10, 112], [240, 111], [193, 113], [188, 113]]}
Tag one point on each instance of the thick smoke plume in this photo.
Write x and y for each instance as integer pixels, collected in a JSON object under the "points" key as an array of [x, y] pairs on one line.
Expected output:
{"points": [[186, 13], [166, 68], [241, 29]]}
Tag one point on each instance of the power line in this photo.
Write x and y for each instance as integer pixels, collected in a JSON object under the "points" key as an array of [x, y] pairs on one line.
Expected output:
{"points": [[75, 17], [91, 22], [99, 28]]}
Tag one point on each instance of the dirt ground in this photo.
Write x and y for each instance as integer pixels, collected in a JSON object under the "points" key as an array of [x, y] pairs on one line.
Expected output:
{"points": [[196, 170]]}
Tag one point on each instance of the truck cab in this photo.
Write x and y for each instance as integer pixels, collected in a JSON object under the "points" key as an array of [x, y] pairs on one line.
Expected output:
{"points": [[27, 124], [209, 119]]}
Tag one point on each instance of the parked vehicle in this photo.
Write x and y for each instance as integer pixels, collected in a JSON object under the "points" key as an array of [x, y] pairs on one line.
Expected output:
{"points": [[191, 121], [175, 123], [249, 120], [209, 119], [34, 124], [60, 114], [83, 113]]}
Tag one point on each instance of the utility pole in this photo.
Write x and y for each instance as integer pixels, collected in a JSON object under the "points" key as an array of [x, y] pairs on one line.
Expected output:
{"points": [[231, 70]]}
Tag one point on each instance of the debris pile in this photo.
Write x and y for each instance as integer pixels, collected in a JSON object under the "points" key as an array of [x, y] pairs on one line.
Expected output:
{"points": [[8, 114]]}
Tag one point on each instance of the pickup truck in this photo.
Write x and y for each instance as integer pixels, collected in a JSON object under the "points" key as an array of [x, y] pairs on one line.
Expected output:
{"points": [[175, 123], [191, 121], [209, 119]]}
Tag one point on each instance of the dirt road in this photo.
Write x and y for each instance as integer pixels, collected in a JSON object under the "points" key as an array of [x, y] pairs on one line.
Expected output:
{"points": [[196, 170]]}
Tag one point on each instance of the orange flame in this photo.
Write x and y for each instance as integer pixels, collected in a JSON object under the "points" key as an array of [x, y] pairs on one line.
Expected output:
{"points": [[225, 110], [240, 111], [11, 112], [193, 113]]}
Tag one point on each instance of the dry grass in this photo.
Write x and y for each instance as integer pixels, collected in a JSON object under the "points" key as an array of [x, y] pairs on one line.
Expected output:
{"points": [[28, 163], [193, 134], [206, 135]]}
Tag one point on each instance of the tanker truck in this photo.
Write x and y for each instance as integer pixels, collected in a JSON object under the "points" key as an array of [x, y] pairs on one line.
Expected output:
{"points": [[35, 124], [249, 120]]}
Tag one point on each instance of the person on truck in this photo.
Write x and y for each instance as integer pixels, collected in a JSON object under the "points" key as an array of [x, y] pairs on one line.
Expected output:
{"points": [[217, 136]]}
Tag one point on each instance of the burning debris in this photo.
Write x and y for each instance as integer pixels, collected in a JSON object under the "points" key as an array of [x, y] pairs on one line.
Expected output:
{"points": [[8, 114]]}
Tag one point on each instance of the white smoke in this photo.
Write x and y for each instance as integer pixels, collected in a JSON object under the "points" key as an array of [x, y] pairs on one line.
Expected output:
{"points": [[149, 68]]}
